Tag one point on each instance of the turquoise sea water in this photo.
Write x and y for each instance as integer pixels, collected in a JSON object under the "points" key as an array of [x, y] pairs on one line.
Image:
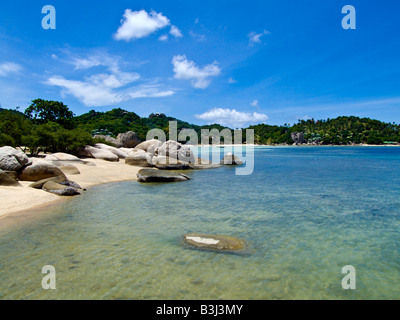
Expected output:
{"points": [[305, 212]]}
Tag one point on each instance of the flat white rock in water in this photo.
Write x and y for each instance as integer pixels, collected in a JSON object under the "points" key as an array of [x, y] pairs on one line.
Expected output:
{"points": [[214, 242], [203, 240]]}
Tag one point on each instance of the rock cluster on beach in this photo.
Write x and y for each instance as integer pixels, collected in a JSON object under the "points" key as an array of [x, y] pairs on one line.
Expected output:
{"points": [[298, 138], [150, 146], [39, 171], [170, 155], [50, 178], [139, 158], [62, 157], [12, 159], [15, 166], [160, 159], [122, 146], [127, 140], [99, 152], [124, 140]]}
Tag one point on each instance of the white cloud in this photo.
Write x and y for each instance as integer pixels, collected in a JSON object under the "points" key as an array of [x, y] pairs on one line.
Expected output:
{"points": [[9, 67], [89, 94], [196, 21], [255, 103], [116, 80], [175, 32], [96, 94], [149, 92], [232, 118], [255, 37], [89, 62], [231, 81], [197, 37], [164, 37], [140, 24], [187, 70], [106, 88], [99, 59]]}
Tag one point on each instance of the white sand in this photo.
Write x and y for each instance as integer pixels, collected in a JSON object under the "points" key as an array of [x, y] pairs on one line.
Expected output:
{"points": [[15, 199]]}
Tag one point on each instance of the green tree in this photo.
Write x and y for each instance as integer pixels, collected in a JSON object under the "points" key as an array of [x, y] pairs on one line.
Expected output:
{"points": [[42, 111], [13, 125]]}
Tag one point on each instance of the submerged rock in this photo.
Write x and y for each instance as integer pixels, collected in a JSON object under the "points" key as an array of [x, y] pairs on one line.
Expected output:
{"points": [[154, 175], [231, 159], [214, 242]]}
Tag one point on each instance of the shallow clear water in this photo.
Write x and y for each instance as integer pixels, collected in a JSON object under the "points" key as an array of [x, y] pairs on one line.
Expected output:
{"points": [[305, 213]]}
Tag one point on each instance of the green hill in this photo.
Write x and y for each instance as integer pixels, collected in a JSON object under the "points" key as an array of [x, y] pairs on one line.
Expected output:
{"points": [[339, 131], [119, 121]]}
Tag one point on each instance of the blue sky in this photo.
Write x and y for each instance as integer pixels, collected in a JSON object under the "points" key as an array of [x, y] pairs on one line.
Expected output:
{"points": [[232, 62]]}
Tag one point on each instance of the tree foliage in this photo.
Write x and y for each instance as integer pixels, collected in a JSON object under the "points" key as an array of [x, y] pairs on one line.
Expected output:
{"points": [[42, 111], [339, 131], [45, 126]]}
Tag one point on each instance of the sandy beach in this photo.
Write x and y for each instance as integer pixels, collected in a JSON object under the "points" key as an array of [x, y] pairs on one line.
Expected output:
{"points": [[16, 199]]}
